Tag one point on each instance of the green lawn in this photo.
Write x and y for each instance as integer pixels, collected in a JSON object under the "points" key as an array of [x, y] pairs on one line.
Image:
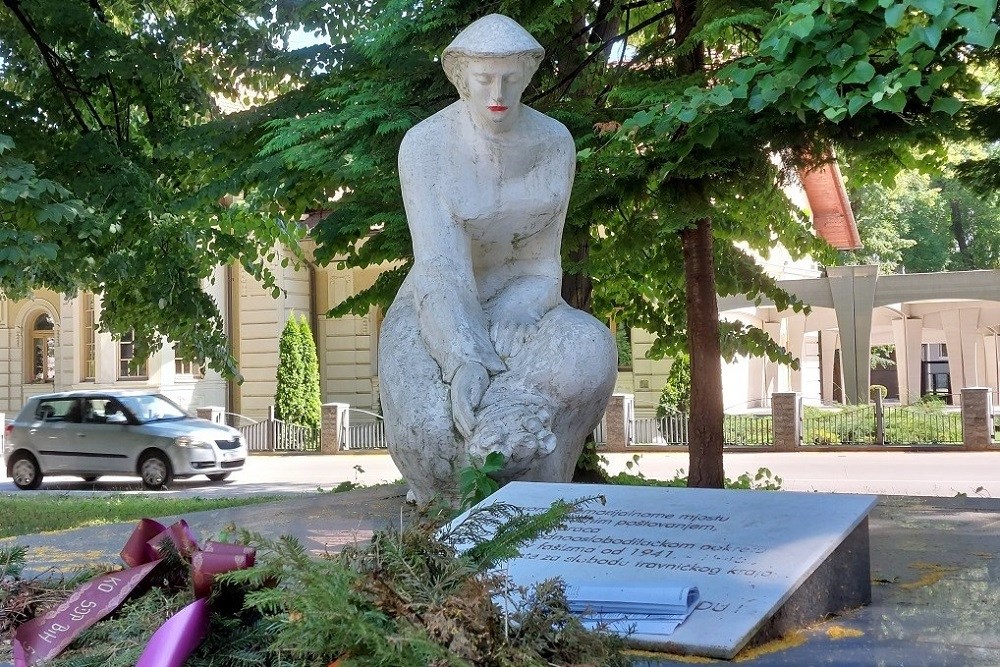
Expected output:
{"points": [[26, 515]]}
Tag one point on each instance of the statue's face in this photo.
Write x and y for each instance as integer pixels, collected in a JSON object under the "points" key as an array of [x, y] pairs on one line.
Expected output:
{"points": [[495, 86]]}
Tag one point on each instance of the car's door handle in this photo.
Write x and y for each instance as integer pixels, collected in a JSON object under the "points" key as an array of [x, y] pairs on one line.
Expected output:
{"points": [[81, 435]]}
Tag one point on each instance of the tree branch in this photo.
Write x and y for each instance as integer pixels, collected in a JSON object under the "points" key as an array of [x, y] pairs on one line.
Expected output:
{"points": [[116, 109], [566, 81], [98, 10], [50, 60], [58, 69]]}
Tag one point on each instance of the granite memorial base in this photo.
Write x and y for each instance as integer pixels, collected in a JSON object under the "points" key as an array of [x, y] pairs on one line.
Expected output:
{"points": [[765, 562]]}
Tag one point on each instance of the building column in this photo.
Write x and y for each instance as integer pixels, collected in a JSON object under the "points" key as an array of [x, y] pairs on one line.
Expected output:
{"points": [[771, 383], [907, 336], [853, 292], [828, 349], [962, 337], [755, 381], [977, 418], [990, 361], [795, 332]]}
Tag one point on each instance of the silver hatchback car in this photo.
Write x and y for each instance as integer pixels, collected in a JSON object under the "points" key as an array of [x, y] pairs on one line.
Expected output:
{"points": [[94, 433]]}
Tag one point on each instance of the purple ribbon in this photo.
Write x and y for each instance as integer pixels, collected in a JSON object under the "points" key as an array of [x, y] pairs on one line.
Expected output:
{"points": [[45, 636]]}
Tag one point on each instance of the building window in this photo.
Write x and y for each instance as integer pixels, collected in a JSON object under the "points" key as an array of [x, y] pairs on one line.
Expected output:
{"points": [[43, 349], [126, 354], [87, 337], [185, 367]]}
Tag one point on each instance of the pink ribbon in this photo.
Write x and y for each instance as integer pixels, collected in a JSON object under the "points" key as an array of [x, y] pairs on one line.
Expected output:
{"points": [[45, 636]]}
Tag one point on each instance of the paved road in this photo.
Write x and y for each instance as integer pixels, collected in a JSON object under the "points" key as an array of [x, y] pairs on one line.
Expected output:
{"points": [[944, 474]]}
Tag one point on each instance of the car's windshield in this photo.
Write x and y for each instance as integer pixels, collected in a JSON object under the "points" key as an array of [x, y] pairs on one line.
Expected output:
{"points": [[152, 407]]}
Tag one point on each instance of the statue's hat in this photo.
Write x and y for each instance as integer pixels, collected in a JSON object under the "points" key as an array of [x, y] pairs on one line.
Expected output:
{"points": [[494, 36]]}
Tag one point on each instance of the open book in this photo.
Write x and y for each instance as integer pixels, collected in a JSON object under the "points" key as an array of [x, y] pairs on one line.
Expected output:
{"points": [[623, 609]]}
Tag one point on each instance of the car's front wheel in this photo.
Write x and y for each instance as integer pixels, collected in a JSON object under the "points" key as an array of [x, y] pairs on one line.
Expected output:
{"points": [[25, 471], [155, 470], [218, 476], [91, 478]]}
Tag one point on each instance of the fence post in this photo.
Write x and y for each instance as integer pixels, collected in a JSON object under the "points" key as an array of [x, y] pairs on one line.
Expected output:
{"points": [[977, 418], [213, 413], [617, 423], [786, 420], [335, 420], [879, 415]]}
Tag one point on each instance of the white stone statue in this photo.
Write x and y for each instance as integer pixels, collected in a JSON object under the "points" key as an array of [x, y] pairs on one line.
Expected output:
{"points": [[479, 352]]}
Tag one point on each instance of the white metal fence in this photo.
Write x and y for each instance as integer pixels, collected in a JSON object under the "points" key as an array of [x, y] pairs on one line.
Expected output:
{"points": [[274, 435]]}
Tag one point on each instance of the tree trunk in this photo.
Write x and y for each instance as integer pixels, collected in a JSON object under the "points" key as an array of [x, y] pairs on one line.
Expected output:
{"points": [[705, 420], [958, 232], [577, 288]]}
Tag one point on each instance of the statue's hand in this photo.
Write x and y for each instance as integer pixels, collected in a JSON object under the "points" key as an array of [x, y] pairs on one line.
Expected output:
{"points": [[509, 336], [467, 389]]}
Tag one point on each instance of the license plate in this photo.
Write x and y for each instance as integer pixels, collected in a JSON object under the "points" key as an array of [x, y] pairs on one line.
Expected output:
{"points": [[227, 456]]}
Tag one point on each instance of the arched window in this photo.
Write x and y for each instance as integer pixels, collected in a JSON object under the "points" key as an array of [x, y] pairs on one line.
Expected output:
{"points": [[42, 349]]}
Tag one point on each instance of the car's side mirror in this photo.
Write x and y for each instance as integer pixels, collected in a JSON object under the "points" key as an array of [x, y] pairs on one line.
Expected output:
{"points": [[116, 418]]}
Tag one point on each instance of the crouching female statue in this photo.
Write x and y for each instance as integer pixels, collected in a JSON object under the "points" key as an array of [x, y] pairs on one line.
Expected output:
{"points": [[479, 353]]}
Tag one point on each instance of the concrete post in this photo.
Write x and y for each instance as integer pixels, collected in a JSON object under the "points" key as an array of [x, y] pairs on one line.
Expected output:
{"points": [[333, 428], [961, 333], [618, 423], [977, 418], [213, 413], [786, 420], [853, 292]]}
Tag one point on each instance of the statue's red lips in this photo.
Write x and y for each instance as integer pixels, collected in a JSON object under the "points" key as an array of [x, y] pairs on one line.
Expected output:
{"points": [[497, 108]]}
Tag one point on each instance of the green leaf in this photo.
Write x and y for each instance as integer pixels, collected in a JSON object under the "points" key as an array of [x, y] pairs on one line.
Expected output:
{"points": [[835, 114], [802, 27], [721, 95], [931, 35], [931, 7], [493, 463], [862, 73], [856, 103], [895, 102], [707, 135], [894, 15], [985, 35], [687, 115], [911, 79], [948, 105]]}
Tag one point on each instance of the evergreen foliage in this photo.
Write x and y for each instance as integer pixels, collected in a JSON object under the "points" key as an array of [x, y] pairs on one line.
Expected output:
{"points": [[289, 398], [297, 394], [676, 395], [404, 600], [311, 399]]}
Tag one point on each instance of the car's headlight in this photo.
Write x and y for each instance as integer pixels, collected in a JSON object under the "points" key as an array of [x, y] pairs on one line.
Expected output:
{"points": [[190, 443]]}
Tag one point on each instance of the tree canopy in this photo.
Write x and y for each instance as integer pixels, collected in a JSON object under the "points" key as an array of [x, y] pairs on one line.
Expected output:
{"points": [[103, 99], [927, 222], [679, 110]]}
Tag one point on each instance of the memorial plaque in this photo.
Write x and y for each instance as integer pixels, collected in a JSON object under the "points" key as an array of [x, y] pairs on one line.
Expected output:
{"points": [[749, 553]]}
